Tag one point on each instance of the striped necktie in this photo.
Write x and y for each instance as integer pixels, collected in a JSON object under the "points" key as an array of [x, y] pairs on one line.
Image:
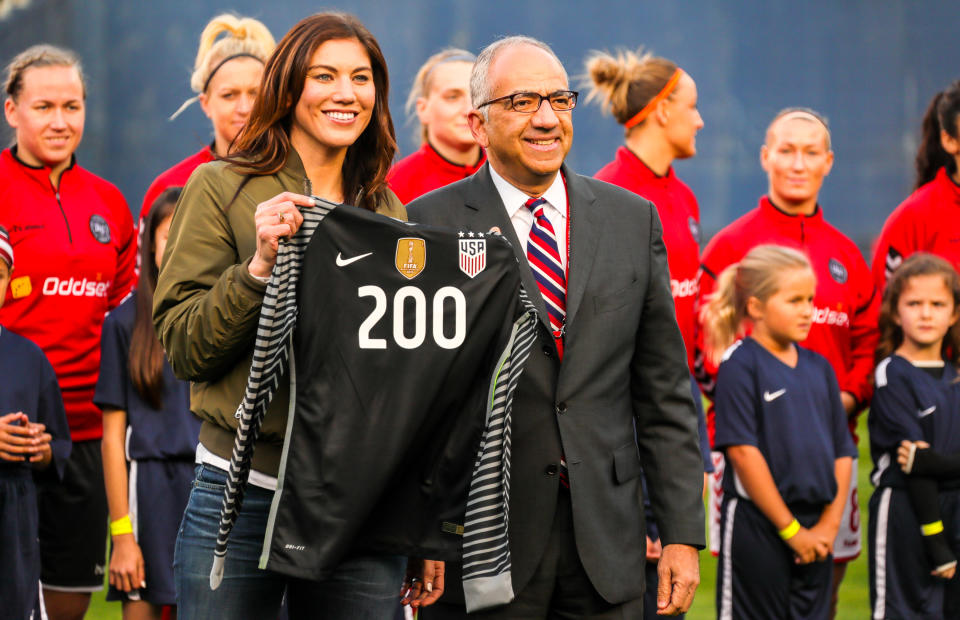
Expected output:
{"points": [[543, 253]]}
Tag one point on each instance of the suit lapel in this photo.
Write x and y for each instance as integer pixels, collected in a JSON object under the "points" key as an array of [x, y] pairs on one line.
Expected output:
{"points": [[487, 210], [584, 238]]}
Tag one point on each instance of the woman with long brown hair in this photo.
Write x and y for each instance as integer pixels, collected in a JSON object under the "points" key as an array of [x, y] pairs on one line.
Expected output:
{"points": [[320, 126]]}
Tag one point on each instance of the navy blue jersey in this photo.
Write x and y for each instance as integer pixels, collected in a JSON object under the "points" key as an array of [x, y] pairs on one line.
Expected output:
{"points": [[911, 404], [29, 384], [170, 432], [794, 416]]}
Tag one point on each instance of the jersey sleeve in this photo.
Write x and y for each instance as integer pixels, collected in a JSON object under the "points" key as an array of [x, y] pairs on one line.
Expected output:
{"points": [[863, 335], [928, 462], [50, 412], [111, 390], [895, 243], [842, 440], [735, 405], [893, 415]]}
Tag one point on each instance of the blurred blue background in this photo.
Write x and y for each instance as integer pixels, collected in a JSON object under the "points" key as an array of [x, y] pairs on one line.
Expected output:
{"points": [[870, 67]]}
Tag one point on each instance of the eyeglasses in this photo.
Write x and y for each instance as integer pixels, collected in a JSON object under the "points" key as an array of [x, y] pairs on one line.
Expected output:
{"points": [[529, 103]]}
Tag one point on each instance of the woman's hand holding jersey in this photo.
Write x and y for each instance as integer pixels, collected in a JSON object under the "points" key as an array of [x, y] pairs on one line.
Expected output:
{"points": [[423, 583], [277, 218]]}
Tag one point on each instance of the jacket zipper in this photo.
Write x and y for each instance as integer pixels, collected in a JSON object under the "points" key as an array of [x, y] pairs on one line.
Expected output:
{"points": [[64, 214], [803, 234]]}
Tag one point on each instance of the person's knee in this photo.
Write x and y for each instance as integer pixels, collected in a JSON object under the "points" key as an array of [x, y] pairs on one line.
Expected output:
{"points": [[65, 605]]}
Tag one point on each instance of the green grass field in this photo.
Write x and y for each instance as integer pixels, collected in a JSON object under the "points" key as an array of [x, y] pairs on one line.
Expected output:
{"points": [[854, 594]]}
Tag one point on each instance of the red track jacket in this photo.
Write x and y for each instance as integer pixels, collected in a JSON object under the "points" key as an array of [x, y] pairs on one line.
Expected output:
{"points": [[846, 307], [74, 253]]}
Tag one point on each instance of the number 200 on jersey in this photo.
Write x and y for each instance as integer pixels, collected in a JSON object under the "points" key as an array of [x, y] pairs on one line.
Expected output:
{"points": [[419, 308]]}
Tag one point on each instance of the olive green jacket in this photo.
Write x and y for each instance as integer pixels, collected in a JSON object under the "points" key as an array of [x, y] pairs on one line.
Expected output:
{"points": [[207, 304]]}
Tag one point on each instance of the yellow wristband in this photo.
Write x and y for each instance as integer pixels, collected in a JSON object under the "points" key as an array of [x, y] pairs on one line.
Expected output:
{"points": [[932, 529], [121, 526], [790, 531]]}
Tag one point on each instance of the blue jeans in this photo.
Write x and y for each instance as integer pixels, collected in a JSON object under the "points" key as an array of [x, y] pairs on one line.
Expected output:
{"points": [[363, 587]]}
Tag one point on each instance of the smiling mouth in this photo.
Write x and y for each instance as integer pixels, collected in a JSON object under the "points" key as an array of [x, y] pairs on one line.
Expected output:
{"points": [[341, 116], [542, 143]]}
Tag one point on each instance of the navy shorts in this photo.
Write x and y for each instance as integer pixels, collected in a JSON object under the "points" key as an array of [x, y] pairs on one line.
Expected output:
{"points": [[20, 568], [901, 585], [73, 523], [158, 494], [757, 577]]}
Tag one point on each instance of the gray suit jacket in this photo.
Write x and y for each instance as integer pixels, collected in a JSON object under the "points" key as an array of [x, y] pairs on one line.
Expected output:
{"points": [[623, 360]]}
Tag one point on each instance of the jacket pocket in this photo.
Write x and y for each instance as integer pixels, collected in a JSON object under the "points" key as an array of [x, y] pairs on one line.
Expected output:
{"points": [[616, 300], [626, 463]]}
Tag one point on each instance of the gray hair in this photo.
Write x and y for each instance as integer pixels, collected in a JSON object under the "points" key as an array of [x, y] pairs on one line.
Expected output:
{"points": [[480, 89]]}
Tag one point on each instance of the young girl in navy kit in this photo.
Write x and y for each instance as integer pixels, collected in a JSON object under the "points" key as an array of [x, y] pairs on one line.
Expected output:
{"points": [[782, 426], [33, 435], [149, 438], [915, 421]]}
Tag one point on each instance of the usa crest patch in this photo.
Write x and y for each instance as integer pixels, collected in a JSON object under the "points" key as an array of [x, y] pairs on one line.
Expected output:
{"points": [[473, 256]]}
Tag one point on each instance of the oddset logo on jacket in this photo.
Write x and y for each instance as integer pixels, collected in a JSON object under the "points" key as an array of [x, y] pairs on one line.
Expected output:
{"points": [[73, 287]]}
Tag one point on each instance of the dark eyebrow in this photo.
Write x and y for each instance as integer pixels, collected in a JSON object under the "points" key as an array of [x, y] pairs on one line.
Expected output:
{"points": [[334, 69]]}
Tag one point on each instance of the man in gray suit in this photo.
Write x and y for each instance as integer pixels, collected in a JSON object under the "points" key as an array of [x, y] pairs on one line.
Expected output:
{"points": [[609, 360]]}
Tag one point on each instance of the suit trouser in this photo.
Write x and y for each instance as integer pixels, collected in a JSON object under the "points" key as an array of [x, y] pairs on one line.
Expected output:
{"points": [[559, 588]]}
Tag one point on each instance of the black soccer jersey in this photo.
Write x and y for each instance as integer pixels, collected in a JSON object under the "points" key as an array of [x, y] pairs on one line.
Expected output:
{"points": [[408, 343]]}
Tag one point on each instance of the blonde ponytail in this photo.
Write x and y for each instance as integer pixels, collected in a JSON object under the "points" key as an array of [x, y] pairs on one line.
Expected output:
{"points": [[244, 36], [722, 316], [624, 84], [756, 275]]}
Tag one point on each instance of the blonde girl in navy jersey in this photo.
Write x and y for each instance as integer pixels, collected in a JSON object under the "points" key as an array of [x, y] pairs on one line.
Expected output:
{"points": [[149, 438], [915, 421], [782, 426]]}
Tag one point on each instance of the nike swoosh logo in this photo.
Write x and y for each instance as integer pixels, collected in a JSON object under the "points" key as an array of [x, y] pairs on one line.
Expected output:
{"points": [[928, 411], [343, 262], [772, 396]]}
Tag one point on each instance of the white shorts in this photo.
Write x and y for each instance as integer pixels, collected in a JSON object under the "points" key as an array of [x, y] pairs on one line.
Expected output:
{"points": [[847, 545]]}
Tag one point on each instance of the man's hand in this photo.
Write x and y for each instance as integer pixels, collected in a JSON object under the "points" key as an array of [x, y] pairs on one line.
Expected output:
{"points": [[423, 584], [679, 573]]}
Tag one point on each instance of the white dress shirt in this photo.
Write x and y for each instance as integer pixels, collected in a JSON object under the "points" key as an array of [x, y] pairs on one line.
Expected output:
{"points": [[522, 218]]}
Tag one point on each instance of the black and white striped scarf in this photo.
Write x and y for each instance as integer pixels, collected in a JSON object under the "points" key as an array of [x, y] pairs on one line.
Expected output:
{"points": [[486, 554]]}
